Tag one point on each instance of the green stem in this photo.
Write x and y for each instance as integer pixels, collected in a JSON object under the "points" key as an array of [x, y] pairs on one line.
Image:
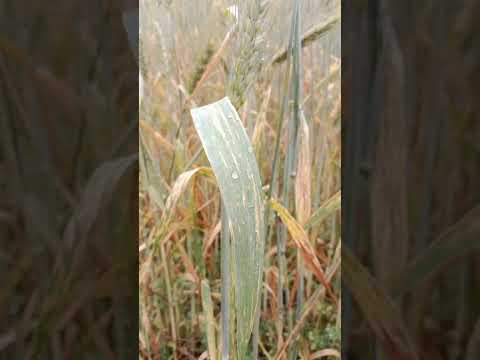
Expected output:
{"points": [[226, 285]]}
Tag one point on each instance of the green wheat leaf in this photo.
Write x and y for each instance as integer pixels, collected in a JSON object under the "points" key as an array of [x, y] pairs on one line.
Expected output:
{"points": [[233, 161]]}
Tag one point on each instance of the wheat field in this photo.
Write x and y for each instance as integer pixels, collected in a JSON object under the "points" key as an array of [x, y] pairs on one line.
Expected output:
{"points": [[231, 92]]}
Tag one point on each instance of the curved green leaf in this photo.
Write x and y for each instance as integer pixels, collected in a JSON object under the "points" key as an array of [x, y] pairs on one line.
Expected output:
{"points": [[233, 161]]}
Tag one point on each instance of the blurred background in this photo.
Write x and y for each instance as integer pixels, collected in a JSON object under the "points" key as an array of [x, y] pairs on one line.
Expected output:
{"points": [[410, 180], [68, 143]]}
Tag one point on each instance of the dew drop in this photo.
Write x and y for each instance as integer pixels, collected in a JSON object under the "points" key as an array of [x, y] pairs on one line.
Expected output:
{"points": [[234, 175], [250, 150]]}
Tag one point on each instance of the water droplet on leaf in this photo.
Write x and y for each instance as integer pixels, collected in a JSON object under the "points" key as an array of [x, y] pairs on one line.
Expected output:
{"points": [[234, 175]]}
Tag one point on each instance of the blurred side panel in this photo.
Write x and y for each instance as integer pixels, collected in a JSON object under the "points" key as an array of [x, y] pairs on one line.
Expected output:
{"points": [[410, 180], [68, 180]]}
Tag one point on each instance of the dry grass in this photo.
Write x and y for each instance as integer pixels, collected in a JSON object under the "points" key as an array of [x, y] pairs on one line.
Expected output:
{"points": [[192, 55]]}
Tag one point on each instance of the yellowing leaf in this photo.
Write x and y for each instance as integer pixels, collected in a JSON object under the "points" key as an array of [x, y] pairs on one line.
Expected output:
{"points": [[301, 241], [303, 192]]}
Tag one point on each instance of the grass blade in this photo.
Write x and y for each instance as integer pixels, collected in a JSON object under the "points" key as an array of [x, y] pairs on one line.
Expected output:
{"points": [[97, 193], [178, 188], [209, 320], [300, 163], [378, 308], [314, 33], [214, 61], [328, 208], [460, 239], [303, 191], [231, 157]]}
